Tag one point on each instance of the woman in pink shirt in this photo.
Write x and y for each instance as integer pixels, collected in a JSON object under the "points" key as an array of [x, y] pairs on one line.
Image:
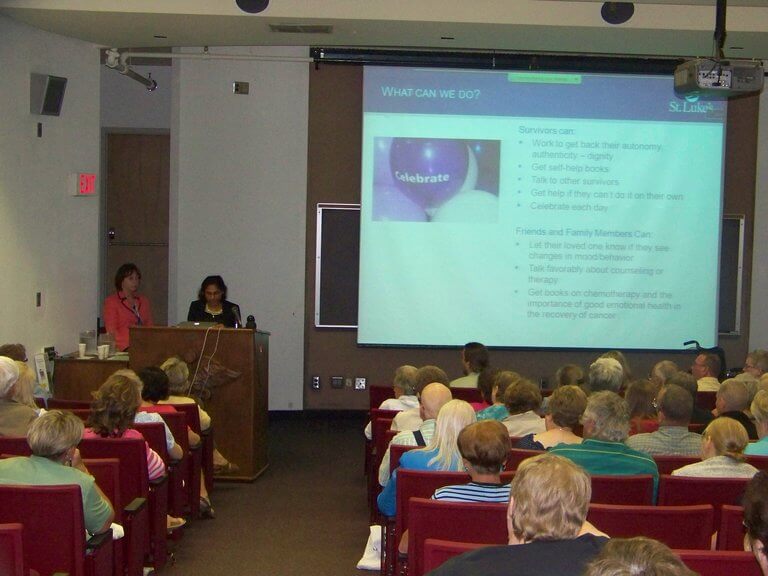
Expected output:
{"points": [[126, 307]]}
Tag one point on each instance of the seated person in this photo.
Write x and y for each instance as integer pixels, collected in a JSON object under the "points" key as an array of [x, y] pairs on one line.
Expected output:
{"points": [[24, 391], [15, 418], [497, 410], [759, 410], [675, 406], [640, 397], [755, 364], [474, 359], [606, 427], [722, 452], [212, 304], [688, 383], [410, 419], [14, 352], [732, 401], [178, 381], [485, 384], [484, 447], [431, 400], [441, 453], [55, 460], [661, 372], [113, 409], [548, 530], [756, 518], [404, 386], [706, 369], [637, 555], [522, 400], [564, 410], [605, 373]]}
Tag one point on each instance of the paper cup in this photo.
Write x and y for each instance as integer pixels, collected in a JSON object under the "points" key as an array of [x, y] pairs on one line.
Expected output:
{"points": [[103, 351], [81, 350]]}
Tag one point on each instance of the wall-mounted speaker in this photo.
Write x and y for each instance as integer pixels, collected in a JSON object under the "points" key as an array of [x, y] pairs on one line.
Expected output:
{"points": [[252, 6], [46, 94], [617, 12]]}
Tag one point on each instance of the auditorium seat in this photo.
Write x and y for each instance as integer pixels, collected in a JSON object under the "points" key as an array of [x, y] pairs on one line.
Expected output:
{"points": [[191, 464], [14, 446], [759, 462], [706, 400], [60, 404], [730, 535], [689, 527], [395, 453], [517, 455], [54, 537], [467, 394], [154, 434], [634, 490], [437, 552], [668, 463], [381, 435], [720, 562], [377, 393], [481, 523], [192, 414], [11, 550], [685, 491]]}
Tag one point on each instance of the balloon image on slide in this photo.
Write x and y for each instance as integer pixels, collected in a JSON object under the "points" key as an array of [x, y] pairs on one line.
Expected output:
{"points": [[436, 180]]}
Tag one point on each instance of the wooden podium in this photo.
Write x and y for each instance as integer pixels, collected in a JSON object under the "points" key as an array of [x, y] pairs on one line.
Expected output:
{"points": [[232, 378]]}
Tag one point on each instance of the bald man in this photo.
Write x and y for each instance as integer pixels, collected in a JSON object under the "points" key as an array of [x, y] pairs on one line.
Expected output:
{"points": [[432, 398]]}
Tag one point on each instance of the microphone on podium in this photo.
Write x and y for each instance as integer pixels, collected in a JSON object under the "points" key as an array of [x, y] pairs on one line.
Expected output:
{"points": [[250, 322], [238, 319]]}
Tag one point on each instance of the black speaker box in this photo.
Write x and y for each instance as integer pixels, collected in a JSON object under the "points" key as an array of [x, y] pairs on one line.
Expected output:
{"points": [[46, 94]]}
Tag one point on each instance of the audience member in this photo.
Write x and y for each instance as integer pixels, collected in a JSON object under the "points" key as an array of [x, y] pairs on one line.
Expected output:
{"points": [[497, 410], [15, 418], [732, 402], [688, 383], [621, 359], [605, 374], [404, 386], [722, 452], [484, 447], [760, 412], [675, 406], [564, 410], [755, 364], [756, 518], [640, 397], [546, 522], [637, 556], [14, 352], [441, 453], [24, 391], [706, 369], [474, 359], [55, 460], [606, 427], [485, 384], [433, 397], [661, 372], [522, 400], [411, 419], [569, 375]]}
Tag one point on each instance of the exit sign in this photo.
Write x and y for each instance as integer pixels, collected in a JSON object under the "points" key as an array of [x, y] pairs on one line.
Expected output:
{"points": [[83, 184]]}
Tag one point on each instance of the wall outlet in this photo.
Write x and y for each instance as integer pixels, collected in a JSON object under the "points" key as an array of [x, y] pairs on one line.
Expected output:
{"points": [[360, 383], [316, 382], [337, 381]]}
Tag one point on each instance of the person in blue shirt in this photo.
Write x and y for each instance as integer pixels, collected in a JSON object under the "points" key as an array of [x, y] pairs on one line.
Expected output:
{"points": [[441, 453]]}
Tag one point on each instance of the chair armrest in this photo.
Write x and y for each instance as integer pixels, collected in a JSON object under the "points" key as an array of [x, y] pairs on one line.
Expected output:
{"points": [[158, 481], [136, 505], [98, 540]]}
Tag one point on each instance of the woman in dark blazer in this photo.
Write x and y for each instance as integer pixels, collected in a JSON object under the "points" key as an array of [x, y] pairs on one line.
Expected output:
{"points": [[212, 304]]}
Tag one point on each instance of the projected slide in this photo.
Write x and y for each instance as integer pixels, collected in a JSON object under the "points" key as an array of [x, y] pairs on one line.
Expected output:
{"points": [[538, 210]]}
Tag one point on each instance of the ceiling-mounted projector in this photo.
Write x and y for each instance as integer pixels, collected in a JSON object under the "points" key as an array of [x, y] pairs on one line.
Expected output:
{"points": [[722, 78]]}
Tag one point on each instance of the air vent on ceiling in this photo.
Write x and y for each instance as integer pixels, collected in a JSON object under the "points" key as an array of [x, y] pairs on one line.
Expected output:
{"points": [[301, 29]]}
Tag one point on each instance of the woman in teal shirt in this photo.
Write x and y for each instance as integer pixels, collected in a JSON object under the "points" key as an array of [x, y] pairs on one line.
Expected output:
{"points": [[759, 409]]}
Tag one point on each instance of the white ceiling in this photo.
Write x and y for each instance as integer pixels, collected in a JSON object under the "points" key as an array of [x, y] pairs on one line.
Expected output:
{"points": [[660, 27]]}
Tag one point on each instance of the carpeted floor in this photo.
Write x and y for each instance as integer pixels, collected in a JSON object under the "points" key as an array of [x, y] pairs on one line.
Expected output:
{"points": [[306, 515]]}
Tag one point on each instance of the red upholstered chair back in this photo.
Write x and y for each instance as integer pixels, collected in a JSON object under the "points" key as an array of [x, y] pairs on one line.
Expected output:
{"points": [[461, 522], [720, 562], [395, 453], [11, 550], [60, 404], [759, 462], [82, 413], [730, 535], [667, 464], [377, 393], [192, 415], [154, 434], [634, 490], [437, 552], [14, 446], [689, 527], [54, 530], [517, 455], [706, 400], [684, 491], [467, 394]]}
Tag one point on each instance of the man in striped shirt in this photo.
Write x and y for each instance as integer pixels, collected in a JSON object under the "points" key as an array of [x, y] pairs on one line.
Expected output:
{"points": [[484, 447]]}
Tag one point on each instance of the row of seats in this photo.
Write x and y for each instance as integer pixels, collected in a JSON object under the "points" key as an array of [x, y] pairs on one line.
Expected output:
{"points": [[141, 506]]}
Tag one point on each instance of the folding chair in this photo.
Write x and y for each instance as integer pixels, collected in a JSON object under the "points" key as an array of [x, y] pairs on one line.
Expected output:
{"points": [[669, 463], [437, 552], [461, 522], [53, 533], [684, 491], [730, 535], [635, 490], [720, 562], [688, 527], [11, 550]]}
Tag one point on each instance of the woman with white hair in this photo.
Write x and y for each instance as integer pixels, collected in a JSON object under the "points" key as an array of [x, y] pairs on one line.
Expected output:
{"points": [[15, 417], [442, 452]]}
